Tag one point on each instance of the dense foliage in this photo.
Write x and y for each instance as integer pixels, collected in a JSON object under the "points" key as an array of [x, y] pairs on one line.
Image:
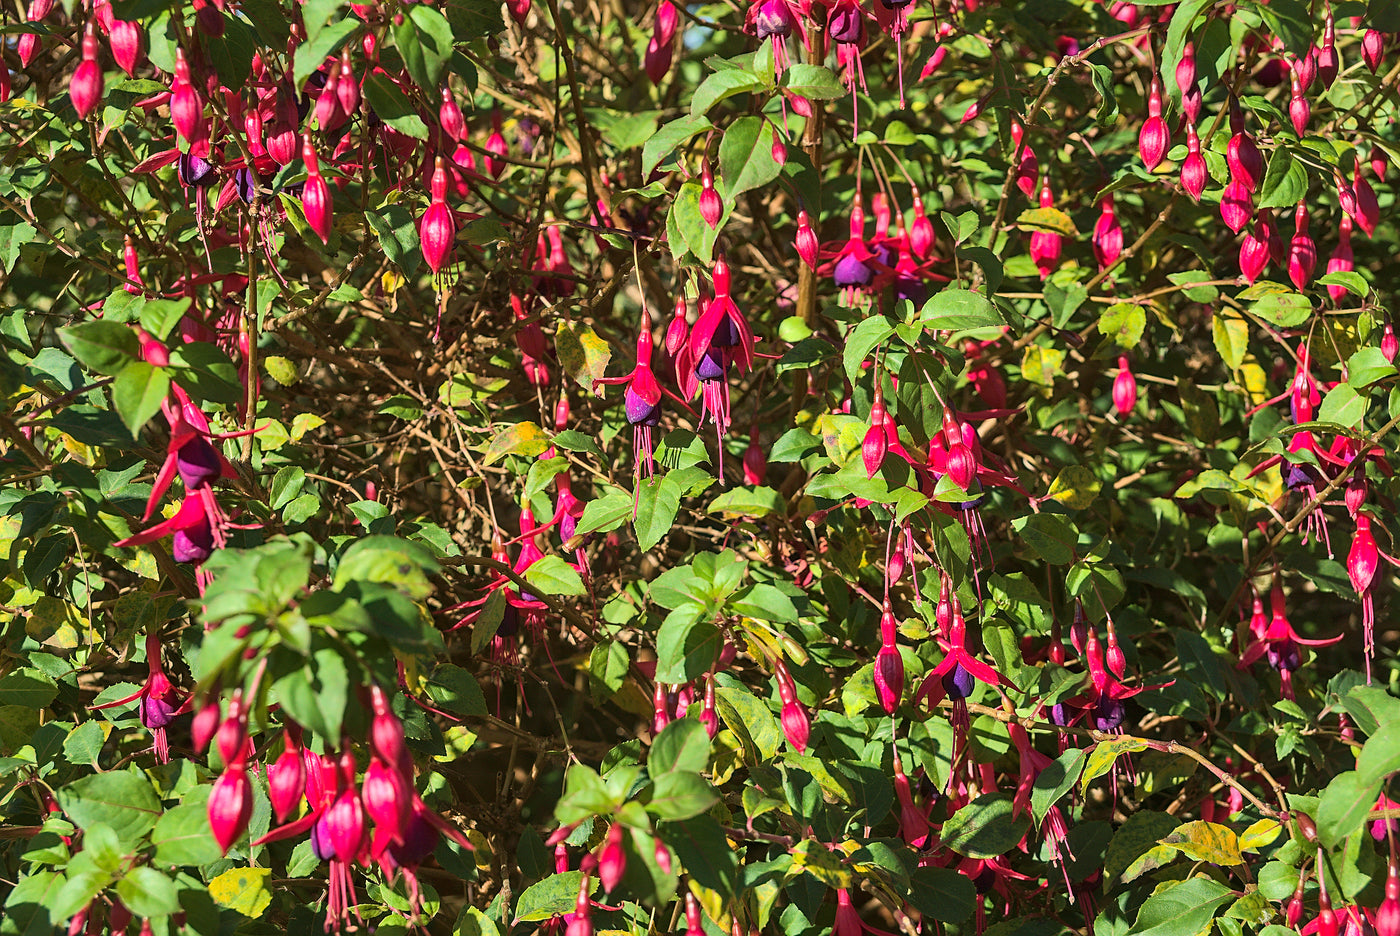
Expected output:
{"points": [[761, 467]]}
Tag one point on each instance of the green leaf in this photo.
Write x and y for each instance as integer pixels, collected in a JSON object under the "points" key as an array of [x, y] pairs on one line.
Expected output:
{"points": [[424, 39], [1136, 839], [454, 689], [680, 794], [985, 827], [1051, 536], [206, 372], [182, 836], [746, 156], [12, 237], [123, 799], [1105, 754], [473, 19], [658, 499], [160, 316], [1344, 805], [1291, 21], [1055, 780], [1285, 182], [232, 55], [148, 893], [671, 135], [814, 82], [943, 894], [959, 309], [1123, 323], [1277, 304], [746, 502], [312, 54], [397, 231], [29, 687], [101, 346], [1381, 755], [554, 895], [1231, 334], [393, 107], [1367, 366], [1182, 908], [682, 745], [751, 720], [1343, 406], [605, 513], [1052, 220], [554, 576], [1349, 280], [138, 392], [720, 85], [686, 647]]}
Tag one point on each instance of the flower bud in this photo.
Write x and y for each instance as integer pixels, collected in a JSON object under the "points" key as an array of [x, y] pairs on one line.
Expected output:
{"points": [[230, 806], [1302, 252], [1368, 209], [186, 109], [806, 240], [612, 859], [1107, 239], [436, 229], [1372, 49], [388, 801], [1328, 61], [711, 207], [1389, 345], [316, 195], [1299, 111], [1193, 168], [286, 779], [1125, 389], [1342, 259], [709, 716], [889, 665], [450, 116], [1155, 137], [496, 146], [755, 461], [204, 724], [875, 444], [921, 234], [662, 856], [1236, 206], [1254, 250], [85, 88]]}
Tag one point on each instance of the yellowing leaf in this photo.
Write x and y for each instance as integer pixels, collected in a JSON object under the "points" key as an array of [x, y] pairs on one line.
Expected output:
{"points": [[1104, 754], [1260, 835], [244, 890], [1047, 219], [524, 438], [1075, 487], [820, 862], [1206, 841], [1123, 322], [1040, 365], [57, 623], [1231, 333], [584, 355]]}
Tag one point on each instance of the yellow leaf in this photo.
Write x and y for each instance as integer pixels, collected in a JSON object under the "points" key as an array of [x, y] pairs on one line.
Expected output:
{"points": [[57, 623], [523, 438], [1075, 487], [584, 355], [244, 890], [1040, 365], [820, 862], [1102, 757], [1260, 835], [1206, 841], [1047, 219]]}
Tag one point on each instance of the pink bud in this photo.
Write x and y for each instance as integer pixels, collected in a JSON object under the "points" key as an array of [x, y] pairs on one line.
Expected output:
{"points": [[755, 461], [797, 726], [1242, 154], [1306, 68], [186, 109], [230, 806], [934, 60], [662, 855], [1368, 209], [388, 801], [1388, 913], [709, 716], [658, 57], [921, 234], [961, 464], [152, 351], [496, 146], [329, 114], [889, 665], [1298, 109], [1364, 558], [286, 780], [204, 724], [1341, 259], [612, 860], [85, 88], [1236, 206], [1328, 61], [1372, 49], [450, 116], [1389, 345], [711, 208], [132, 263], [124, 39], [436, 229], [1356, 491], [678, 332], [1302, 252], [316, 195], [1027, 171], [806, 240], [1125, 389], [1186, 68], [1155, 137], [875, 444], [1254, 251], [1193, 168], [347, 90], [1108, 235], [779, 150], [233, 732]]}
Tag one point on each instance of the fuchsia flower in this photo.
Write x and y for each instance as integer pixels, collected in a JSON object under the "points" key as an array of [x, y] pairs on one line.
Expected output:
{"points": [[721, 337], [161, 702], [660, 48], [797, 724], [642, 398], [1372, 48], [1194, 173], [1125, 389], [776, 20], [954, 677], [1280, 643], [889, 665], [845, 25], [1302, 252], [85, 87], [1242, 155], [851, 261], [1299, 111], [1342, 258], [436, 229]]}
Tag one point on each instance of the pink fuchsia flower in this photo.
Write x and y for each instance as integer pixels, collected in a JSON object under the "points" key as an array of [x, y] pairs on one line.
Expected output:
{"points": [[1155, 137], [1125, 388], [1342, 259], [1108, 235], [1302, 251], [1368, 209], [776, 20], [797, 724], [889, 665], [1242, 155], [642, 398], [1046, 245], [160, 702], [1280, 643]]}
